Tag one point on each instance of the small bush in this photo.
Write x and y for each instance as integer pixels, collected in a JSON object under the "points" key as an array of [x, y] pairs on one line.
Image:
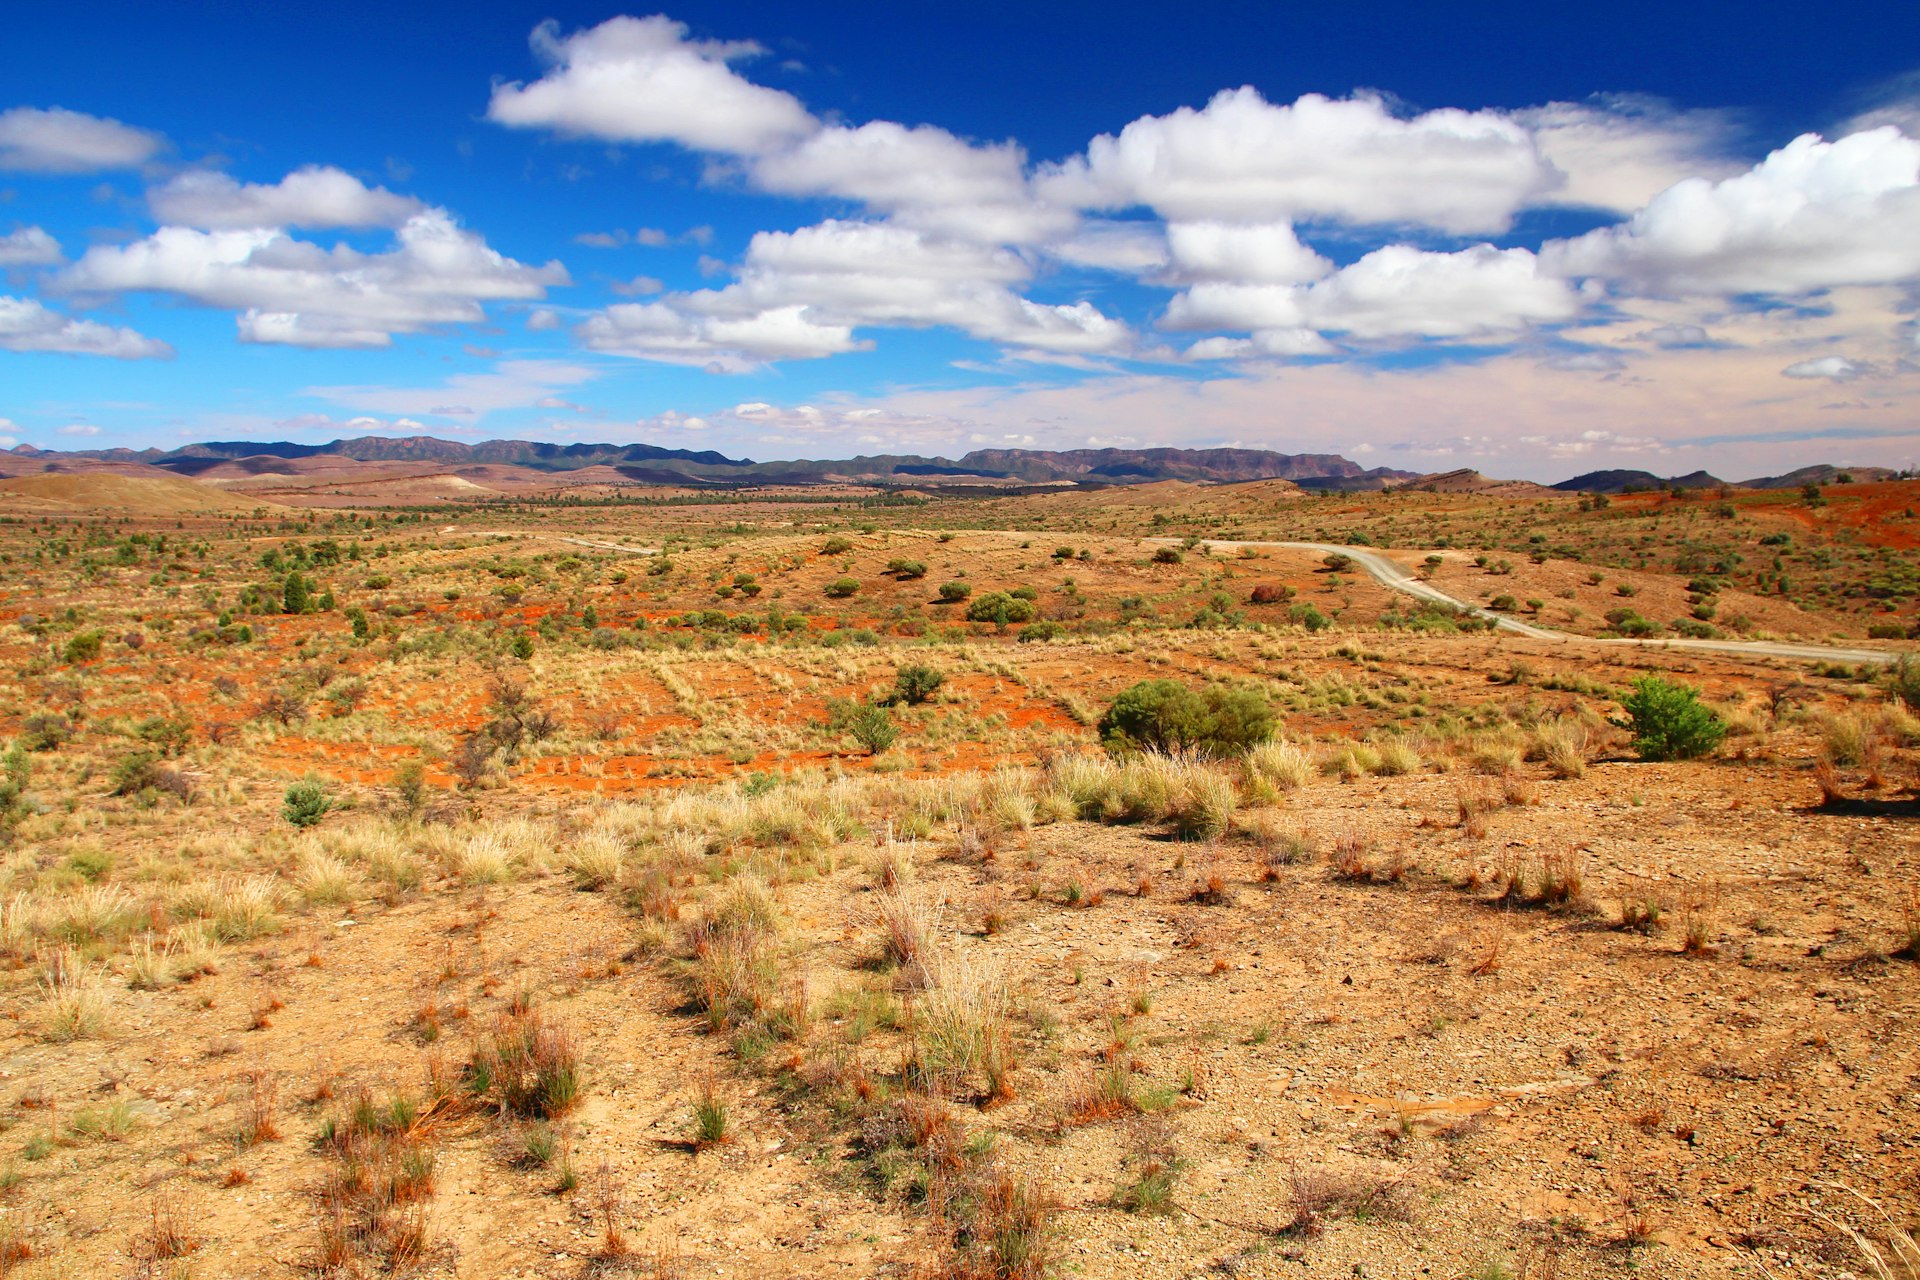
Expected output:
{"points": [[869, 724], [1306, 615], [915, 683], [954, 592], [306, 802], [136, 773], [1271, 593], [906, 569], [83, 646], [836, 546], [1166, 716], [46, 732], [1904, 679], [1000, 607], [1668, 720], [841, 588], [409, 782], [1167, 555]]}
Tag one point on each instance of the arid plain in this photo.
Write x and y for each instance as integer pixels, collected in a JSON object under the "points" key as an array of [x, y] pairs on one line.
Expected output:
{"points": [[604, 880]]}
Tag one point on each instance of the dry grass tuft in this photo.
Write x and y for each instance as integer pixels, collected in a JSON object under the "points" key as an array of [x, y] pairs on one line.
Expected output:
{"points": [[907, 922], [1314, 1195], [1565, 745], [596, 860], [528, 1066], [74, 1002]]}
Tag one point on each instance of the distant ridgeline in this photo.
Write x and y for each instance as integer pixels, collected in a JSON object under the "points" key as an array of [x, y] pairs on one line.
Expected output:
{"points": [[652, 464]]}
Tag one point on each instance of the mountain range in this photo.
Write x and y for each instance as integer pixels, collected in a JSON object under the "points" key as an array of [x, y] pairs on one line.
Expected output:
{"points": [[651, 464], [647, 464]]}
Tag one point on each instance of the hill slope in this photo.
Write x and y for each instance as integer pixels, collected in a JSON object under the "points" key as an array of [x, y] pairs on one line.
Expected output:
{"points": [[106, 490]]}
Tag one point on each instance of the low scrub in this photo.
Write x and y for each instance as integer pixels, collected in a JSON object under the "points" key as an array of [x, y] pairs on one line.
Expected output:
{"points": [[1173, 719], [1668, 720]]}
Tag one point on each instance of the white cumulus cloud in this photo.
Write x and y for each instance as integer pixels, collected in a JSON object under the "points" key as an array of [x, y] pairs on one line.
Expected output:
{"points": [[1478, 292], [295, 292], [1813, 215], [28, 325], [800, 294], [927, 177], [55, 140], [28, 247], [1397, 291], [1241, 158], [315, 196], [1248, 253], [643, 80]]}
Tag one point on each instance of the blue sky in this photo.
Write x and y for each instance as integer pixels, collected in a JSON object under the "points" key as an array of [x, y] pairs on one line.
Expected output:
{"points": [[1522, 239]]}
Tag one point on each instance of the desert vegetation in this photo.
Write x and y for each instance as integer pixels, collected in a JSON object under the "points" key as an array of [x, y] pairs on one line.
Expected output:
{"points": [[415, 891]]}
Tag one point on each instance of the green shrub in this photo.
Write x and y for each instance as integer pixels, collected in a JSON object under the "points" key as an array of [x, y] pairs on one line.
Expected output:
{"points": [[409, 783], [1306, 615], [866, 723], [837, 547], [171, 736], [1904, 679], [1668, 720], [1039, 631], [84, 646], [306, 802], [135, 773], [1167, 555], [297, 595], [1000, 607], [15, 772], [905, 569], [1173, 719], [841, 588], [915, 683], [46, 732], [954, 592]]}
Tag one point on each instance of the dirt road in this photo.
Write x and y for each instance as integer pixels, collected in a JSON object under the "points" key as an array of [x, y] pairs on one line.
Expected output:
{"points": [[1388, 573]]}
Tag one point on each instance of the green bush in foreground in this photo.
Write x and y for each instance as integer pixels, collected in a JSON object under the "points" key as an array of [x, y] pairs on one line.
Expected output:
{"points": [[914, 683], [1168, 717], [306, 802], [1668, 720]]}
